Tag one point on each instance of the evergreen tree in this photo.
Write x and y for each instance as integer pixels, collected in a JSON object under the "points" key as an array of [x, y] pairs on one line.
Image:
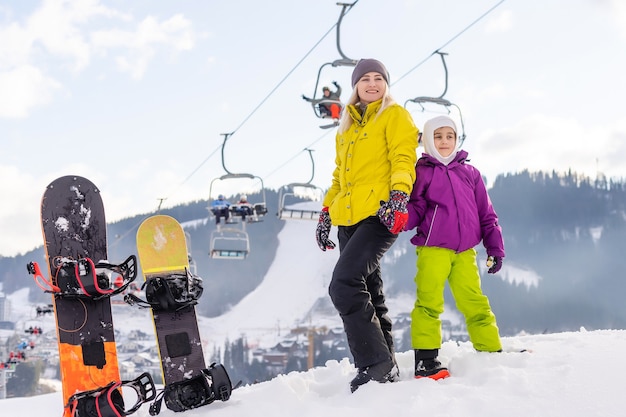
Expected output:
{"points": [[25, 379]]}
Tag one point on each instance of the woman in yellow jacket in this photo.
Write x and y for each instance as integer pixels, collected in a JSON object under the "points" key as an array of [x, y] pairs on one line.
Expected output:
{"points": [[375, 170]]}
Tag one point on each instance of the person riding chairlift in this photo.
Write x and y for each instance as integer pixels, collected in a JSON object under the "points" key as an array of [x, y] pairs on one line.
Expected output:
{"points": [[244, 207], [220, 208], [329, 104]]}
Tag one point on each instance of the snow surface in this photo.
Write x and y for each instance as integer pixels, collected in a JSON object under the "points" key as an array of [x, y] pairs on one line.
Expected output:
{"points": [[563, 374], [567, 374]]}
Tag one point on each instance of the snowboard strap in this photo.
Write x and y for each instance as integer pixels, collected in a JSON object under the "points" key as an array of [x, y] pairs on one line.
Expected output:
{"points": [[108, 402], [41, 281], [173, 292], [84, 279], [127, 270], [210, 385]]}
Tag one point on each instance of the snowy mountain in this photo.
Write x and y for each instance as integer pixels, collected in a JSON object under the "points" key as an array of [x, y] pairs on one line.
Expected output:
{"points": [[559, 374], [294, 286]]}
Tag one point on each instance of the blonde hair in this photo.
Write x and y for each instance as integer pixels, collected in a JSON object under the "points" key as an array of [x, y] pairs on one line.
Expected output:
{"points": [[346, 119]]}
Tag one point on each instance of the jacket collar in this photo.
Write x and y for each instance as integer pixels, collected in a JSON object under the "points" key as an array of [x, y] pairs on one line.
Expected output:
{"points": [[361, 118], [427, 159]]}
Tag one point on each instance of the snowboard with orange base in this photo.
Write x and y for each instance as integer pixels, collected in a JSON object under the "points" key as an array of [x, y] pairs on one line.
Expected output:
{"points": [[81, 281]]}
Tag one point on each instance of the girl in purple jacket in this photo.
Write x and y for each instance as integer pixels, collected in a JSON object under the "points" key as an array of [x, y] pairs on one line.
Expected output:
{"points": [[451, 211]]}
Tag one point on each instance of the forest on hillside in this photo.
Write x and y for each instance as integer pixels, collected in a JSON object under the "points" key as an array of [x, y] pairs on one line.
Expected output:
{"points": [[570, 230], [567, 228]]}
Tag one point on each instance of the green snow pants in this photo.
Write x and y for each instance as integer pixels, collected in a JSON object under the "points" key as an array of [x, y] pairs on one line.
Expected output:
{"points": [[435, 266]]}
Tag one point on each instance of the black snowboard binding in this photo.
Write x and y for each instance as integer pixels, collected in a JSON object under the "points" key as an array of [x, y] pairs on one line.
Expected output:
{"points": [[169, 293], [83, 278], [108, 402], [210, 385]]}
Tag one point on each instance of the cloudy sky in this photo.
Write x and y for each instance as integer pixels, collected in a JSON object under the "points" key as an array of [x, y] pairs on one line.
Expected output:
{"points": [[136, 95]]}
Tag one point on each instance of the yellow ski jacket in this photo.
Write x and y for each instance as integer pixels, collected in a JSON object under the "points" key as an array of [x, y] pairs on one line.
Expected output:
{"points": [[375, 155]]}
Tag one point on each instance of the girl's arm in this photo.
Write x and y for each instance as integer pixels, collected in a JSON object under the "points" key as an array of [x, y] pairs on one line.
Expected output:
{"points": [[491, 231]]}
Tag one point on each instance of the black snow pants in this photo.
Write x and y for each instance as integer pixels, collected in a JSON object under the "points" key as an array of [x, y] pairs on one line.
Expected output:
{"points": [[356, 290]]}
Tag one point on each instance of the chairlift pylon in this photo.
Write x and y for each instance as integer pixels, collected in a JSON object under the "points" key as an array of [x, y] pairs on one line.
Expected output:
{"points": [[440, 100]]}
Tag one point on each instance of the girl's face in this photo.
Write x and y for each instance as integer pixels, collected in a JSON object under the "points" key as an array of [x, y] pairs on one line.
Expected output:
{"points": [[371, 87], [445, 140]]}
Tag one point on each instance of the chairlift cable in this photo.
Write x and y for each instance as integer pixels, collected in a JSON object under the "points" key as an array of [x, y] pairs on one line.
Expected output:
{"points": [[278, 168], [300, 62], [287, 76], [193, 172], [119, 238], [261, 103], [450, 41]]}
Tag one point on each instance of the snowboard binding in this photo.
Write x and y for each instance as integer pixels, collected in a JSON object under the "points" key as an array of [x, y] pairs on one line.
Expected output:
{"points": [[83, 278], [210, 385], [169, 293], [108, 402]]}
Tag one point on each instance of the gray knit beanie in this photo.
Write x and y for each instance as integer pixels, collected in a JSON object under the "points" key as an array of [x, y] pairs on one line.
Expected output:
{"points": [[368, 65]]}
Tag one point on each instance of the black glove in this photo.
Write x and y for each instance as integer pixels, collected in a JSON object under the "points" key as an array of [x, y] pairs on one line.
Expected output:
{"points": [[335, 84], [322, 231], [494, 263], [393, 212]]}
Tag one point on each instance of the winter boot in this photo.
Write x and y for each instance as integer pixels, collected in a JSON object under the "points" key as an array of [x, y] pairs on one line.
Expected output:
{"points": [[428, 366], [385, 371]]}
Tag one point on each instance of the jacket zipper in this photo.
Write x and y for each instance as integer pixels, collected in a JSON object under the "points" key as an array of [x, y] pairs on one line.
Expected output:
{"points": [[432, 223]]}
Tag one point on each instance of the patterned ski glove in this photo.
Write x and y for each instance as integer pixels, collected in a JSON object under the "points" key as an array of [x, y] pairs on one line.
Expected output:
{"points": [[393, 212], [494, 263], [322, 231]]}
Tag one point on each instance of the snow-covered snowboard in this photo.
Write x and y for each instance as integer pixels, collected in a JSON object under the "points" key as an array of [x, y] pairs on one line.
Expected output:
{"points": [[81, 281], [172, 293]]}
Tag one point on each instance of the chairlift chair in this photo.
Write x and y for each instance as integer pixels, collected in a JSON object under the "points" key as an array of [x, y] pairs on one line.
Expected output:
{"points": [[288, 208], [343, 61], [259, 208], [440, 100], [229, 243], [232, 241]]}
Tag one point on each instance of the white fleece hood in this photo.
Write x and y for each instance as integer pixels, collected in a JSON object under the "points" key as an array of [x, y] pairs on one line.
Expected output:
{"points": [[428, 138]]}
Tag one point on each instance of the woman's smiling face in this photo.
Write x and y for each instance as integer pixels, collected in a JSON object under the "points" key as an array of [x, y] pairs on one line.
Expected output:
{"points": [[371, 87]]}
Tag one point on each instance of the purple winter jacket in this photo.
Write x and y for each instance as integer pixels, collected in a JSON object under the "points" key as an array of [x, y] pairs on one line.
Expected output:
{"points": [[451, 209]]}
